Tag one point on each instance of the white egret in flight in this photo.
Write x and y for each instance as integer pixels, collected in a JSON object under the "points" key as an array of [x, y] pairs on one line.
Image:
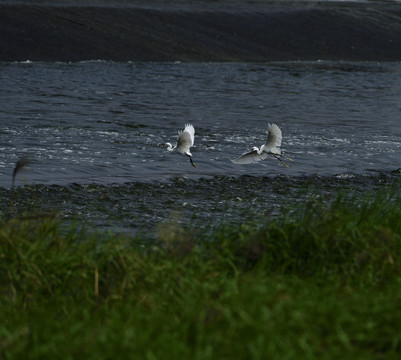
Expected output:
{"points": [[270, 148], [185, 141]]}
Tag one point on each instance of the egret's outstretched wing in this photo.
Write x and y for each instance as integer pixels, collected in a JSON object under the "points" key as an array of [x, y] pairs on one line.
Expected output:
{"points": [[191, 131], [249, 158], [274, 138], [186, 138]]}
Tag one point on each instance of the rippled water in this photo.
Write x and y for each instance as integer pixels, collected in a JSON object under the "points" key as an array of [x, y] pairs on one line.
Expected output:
{"points": [[94, 130]]}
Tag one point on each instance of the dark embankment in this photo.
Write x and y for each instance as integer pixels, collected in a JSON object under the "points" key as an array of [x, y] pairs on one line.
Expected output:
{"points": [[238, 32]]}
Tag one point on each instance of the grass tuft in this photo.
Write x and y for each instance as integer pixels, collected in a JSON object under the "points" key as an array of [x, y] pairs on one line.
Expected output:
{"points": [[321, 283]]}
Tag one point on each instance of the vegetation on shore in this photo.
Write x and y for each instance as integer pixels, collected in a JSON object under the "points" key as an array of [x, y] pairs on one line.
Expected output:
{"points": [[322, 283]]}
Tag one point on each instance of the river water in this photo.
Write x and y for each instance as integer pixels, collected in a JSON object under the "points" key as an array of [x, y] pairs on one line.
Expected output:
{"points": [[94, 132]]}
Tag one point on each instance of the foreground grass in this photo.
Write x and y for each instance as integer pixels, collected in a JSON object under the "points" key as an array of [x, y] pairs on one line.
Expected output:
{"points": [[324, 284]]}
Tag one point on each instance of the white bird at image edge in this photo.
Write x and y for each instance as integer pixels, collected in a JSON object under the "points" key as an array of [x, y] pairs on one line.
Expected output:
{"points": [[271, 147], [185, 141]]}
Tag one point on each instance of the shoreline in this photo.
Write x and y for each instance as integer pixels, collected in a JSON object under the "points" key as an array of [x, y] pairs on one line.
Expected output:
{"points": [[220, 31]]}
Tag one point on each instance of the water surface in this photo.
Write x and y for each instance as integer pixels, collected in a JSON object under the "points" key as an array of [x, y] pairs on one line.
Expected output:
{"points": [[96, 128]]}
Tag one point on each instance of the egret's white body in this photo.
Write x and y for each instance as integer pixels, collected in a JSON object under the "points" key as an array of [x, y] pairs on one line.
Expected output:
{"points": [[185, 141], [270, 147]]}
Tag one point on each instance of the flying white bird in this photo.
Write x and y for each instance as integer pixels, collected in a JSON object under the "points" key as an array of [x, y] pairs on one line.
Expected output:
{"points": [[270, 148], [185, 140]]}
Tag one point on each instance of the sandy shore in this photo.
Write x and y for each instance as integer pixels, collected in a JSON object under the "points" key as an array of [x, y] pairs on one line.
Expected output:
{"points": [[215, 31]]}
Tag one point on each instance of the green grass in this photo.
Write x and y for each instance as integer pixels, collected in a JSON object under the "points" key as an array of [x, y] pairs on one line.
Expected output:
{"points": [[322, 283]]}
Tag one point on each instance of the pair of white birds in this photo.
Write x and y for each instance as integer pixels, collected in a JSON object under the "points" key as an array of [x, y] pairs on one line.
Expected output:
{"points": [[271, 147]]}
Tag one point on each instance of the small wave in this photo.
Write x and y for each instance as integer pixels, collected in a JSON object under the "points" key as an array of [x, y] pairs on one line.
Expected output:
{"points": [[345, 176]]}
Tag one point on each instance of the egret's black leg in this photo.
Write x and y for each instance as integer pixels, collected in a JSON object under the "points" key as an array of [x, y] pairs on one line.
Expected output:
{"points": [[192, 163], [278, 157]]}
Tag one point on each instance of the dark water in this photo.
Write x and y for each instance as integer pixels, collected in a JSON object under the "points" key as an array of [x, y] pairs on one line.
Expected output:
{"points": [[94, 130]]}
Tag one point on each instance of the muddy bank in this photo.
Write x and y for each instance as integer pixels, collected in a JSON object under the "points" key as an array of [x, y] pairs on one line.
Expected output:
{"points": [[238, 32]]}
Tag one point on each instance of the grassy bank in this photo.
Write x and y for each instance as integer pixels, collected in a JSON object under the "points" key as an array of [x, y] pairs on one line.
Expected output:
{"points": [[323, 283]]}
